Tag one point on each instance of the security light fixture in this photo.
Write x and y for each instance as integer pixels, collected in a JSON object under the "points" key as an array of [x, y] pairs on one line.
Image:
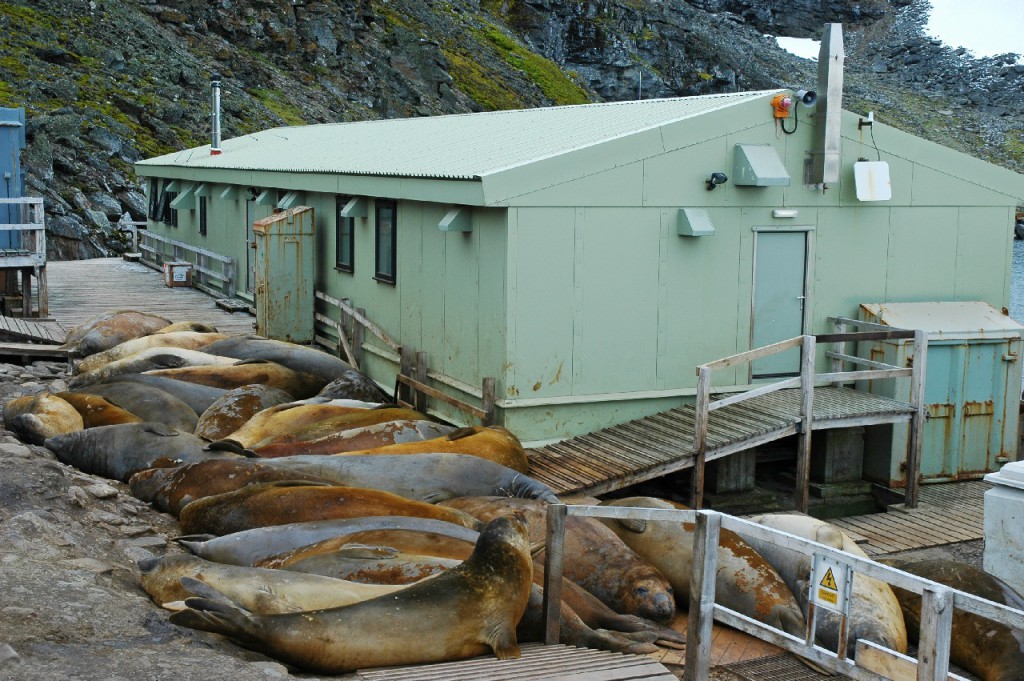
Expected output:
{"points": [[715, 180]]}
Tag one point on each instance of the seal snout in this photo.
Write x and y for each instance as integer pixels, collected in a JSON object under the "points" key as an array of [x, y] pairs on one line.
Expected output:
{"points": [[664, 607], [147, 565]]}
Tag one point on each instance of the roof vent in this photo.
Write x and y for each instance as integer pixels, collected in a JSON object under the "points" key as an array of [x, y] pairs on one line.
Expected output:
{"points": [[215, 107]]}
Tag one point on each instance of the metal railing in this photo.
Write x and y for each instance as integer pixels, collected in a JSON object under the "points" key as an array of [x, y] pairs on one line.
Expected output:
{"points": [[806, 382], [213, 273], [938, 601], [411, 382]]}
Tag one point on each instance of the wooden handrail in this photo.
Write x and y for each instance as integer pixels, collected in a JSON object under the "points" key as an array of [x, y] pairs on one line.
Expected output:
{"points": [[148, 242]]}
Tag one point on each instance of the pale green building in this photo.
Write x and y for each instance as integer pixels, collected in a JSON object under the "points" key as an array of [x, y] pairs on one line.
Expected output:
{"points": [[584, 256]]}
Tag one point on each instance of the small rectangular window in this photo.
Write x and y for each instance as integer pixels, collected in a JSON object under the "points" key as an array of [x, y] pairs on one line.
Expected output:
{"points": [[385, 231], [154, 199], [202, 216], [344, 237], [167, 215]]}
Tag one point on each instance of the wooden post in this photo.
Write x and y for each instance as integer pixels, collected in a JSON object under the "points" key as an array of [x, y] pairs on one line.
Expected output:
{"points": [[345, 325], [230, 273], [803, 455], [489, 390], [554, 543], [840, 348], [420, 399], [407, 357], [357, 336], [914, 442], [936, 631], [702, 596], [700, 435], [43, 291]]}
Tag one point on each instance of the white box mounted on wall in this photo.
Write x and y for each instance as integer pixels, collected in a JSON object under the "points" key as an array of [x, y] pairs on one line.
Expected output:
{"points": [[872, 180]]}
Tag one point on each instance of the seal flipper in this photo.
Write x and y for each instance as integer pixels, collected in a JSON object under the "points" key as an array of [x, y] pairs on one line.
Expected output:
{"points": [[636, 525], [502, 640], [216, 617]]}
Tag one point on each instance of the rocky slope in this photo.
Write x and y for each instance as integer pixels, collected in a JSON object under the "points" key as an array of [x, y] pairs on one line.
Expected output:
{"points": [[106, 83]]}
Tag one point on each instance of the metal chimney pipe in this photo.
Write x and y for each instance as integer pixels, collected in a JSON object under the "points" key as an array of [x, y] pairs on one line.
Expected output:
{"points": [[215, 106], [829, 108]]}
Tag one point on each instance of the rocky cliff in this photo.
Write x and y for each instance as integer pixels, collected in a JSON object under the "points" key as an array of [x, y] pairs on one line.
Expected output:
{"points": [[108, 83]]}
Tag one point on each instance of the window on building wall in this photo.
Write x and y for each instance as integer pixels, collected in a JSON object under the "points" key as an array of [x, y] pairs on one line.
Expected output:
{"points": [[154, 199], [385, 230], [202, 215], [168, 215], [344, 237]]}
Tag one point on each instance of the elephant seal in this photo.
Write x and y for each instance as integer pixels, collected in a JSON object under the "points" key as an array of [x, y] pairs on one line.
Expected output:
{"points": [[97, 411], [367, 437], [251, 546], [300, 358], [194, 327], [147, 360], [354, 385], [368, 564], [119, 451], [170, 489], [234, 408], [745, 581], [277, 503], [147, 402], [987, 649], [874, 611], [429, 477], [313, 429], [34, 418], [597, 559], [283, 419], [246, 372], [189, 340], [470, 609], [493, 443], [258, 590], [108, 329], [197, 397]]}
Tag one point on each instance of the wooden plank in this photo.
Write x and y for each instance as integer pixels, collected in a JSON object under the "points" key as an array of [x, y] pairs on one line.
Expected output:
{"points": [[889, 663]]}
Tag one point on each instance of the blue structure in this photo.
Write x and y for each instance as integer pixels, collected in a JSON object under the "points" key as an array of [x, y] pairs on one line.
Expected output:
{"points": [[12, 177]]}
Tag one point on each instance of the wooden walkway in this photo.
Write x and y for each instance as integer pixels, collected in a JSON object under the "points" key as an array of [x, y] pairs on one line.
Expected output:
{"points": [[946, 513], [31, 330], [538, 663], [81, 289], [663, 443]]}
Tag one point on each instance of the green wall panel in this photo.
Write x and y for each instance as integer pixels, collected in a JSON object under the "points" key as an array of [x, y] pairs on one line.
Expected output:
{"points": [[922, 254], [849, 262], [984, 254]]}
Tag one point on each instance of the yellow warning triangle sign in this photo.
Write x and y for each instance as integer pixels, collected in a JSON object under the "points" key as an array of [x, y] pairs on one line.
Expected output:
{"points": [[829, 581]]}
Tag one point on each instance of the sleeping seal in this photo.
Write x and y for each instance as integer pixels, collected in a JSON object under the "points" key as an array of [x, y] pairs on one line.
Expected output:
{"points": [[467, 611]]}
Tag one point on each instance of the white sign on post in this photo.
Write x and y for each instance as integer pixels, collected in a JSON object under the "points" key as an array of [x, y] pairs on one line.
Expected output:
{"points": [[831, 582]]}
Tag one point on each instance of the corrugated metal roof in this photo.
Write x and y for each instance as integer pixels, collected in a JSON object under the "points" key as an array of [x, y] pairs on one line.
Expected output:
{"points": [[463, 146]]}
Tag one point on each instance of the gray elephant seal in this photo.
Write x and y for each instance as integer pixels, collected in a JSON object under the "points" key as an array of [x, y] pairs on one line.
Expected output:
{"points": [[298, 358], [147, 402], [469, 610]]}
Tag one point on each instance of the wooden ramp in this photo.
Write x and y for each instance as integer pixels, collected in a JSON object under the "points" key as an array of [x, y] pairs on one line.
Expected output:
{"points": [[663, 443], [81, 289], [538, 663], [31, 330], [946, 513]]}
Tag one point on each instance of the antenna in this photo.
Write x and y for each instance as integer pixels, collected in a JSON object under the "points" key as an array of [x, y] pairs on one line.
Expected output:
{"points": [[215, 107], [640, 87]]}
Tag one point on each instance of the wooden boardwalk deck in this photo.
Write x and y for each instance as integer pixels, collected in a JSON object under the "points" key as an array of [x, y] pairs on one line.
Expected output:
{"points": [[653, 446], [31, 330], [81, 289], [946, 513]]}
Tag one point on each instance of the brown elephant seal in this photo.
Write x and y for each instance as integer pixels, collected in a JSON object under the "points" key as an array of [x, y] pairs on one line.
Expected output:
{"points": [[353, 384], [189, 340], [106, 330], [344, 419], [97, 411], [258, 590], [246, 372], [277, 503], [147, 360], [595, 558], [249, 547], [283, 419], [300, 358], [119, 451], [170, 489], [147, 402], [34, 418], [194, 327], [874, 611], [367, 437], [234, 408], [493, 443], [987, 649], [469, 610], [428, 477], [745, 582], [368, 564], [197, 397]]}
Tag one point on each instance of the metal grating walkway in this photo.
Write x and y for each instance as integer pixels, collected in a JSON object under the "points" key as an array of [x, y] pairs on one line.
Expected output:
{"points": [[662, 443], [538, 663]]}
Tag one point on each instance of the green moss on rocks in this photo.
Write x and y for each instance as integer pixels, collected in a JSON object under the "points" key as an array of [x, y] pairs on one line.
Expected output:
{"points": [[553, 82], [277, 103], [487, 88]]}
